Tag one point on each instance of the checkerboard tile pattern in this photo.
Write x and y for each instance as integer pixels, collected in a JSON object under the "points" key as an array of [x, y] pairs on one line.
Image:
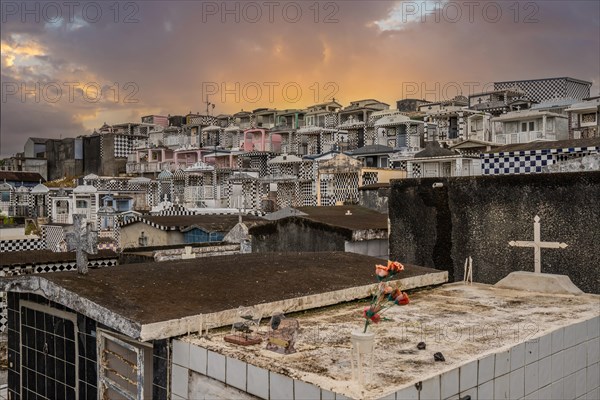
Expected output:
{"points": [[548, 89], [528, 162]]}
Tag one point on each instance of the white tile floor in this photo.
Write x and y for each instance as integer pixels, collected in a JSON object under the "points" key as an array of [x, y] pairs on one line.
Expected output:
{"points": [[3, 392]]}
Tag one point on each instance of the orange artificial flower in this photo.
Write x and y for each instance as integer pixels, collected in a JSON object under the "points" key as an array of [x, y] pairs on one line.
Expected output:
{"points": [[395, 266], [381, 271]]}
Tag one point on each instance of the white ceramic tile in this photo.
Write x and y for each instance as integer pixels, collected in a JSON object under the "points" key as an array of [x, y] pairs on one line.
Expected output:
{"points": [[486, 391], [580, 356], [557, 340], [545, 371], [470, 392], [570, 338], [258, 382], [327, 395], [580, 385], [468, 376], [180, 378], [235, 374], [517, 356], [557, 390], [455, 397], [181, 353], [175, 397], [282, 387], [593, 395], [593, 351], [593, 328], [216, 366], [409, 393], [502, 387], [580, 332], [517, 384], [431, 389], [391, 396], [545, 346], [593, 377], [449, 383], [558, 365], [337, 397], [198, 359], [532, 396], [569, 387], [306, 391], [570, 360], [531, 377], [502, 363], [545, 393], [486, 369], [531, 351]]}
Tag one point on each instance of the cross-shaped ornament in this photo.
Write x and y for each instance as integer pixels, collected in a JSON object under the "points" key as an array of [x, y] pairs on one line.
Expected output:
{"points": [[83, 240], [537, 245]]}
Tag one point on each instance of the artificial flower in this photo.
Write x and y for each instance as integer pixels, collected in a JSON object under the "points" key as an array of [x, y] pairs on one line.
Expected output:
{"points": [[385, 295]]}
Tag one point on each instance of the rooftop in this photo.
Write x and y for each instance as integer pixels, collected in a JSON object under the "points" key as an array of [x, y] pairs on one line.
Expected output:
{"points": [[372, 149], [359, 219], [20, 176], [34, 257], [211, 223], [433, 149], [464, 323], [546, 145], [161, 300]]}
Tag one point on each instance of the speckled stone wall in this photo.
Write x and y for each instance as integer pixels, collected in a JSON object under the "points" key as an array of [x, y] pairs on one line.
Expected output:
{"points": [[477, 216]]}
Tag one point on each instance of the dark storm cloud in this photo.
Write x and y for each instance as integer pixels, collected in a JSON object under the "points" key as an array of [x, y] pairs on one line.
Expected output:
{"points": [[170, 52]]}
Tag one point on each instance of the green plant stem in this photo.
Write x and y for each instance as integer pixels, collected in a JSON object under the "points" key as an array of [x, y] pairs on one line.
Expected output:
{"points": [[366, 326]]}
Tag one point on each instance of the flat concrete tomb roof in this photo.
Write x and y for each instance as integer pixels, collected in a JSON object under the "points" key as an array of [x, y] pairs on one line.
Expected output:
{"points": [[466, 323], [171, 298]]}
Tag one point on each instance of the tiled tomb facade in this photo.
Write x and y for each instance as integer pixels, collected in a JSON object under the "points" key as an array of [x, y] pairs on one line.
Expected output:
{"points": [[60, 348]]}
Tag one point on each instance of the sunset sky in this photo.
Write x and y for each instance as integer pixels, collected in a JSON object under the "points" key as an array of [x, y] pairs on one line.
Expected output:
{"points": [[162, 57]]}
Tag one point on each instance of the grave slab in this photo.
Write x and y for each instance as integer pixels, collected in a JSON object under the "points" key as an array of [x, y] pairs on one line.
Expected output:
{"points": [[542, 283]]}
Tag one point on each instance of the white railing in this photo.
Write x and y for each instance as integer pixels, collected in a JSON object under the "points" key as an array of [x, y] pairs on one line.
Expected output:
{"points": [[198, 193], [523, 137], [60, 218]]}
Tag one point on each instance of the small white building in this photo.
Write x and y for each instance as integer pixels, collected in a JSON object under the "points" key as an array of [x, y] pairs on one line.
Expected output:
{"points": [[584, 119], [529, 125], [437, 162]]}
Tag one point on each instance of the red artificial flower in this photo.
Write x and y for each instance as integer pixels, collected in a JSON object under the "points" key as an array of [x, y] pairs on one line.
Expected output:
{"points": [[402, 300], [395, 266], [371, 314], [395, 294]]}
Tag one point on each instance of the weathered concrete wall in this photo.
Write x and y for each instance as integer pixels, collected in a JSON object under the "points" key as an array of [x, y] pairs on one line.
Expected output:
{"points": [[295, 236], [62, 158], [375, 248], [91, 152], [375, 198], [478, 216], [111, 166], [587, 163], [130, 236]]}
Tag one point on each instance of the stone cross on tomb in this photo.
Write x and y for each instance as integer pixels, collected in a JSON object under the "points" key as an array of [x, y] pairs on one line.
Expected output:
{"points": [[537, 245], [83, 240]]}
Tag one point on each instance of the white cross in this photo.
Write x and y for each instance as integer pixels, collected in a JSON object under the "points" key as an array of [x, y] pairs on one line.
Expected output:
{"points": [[537, 245]]}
